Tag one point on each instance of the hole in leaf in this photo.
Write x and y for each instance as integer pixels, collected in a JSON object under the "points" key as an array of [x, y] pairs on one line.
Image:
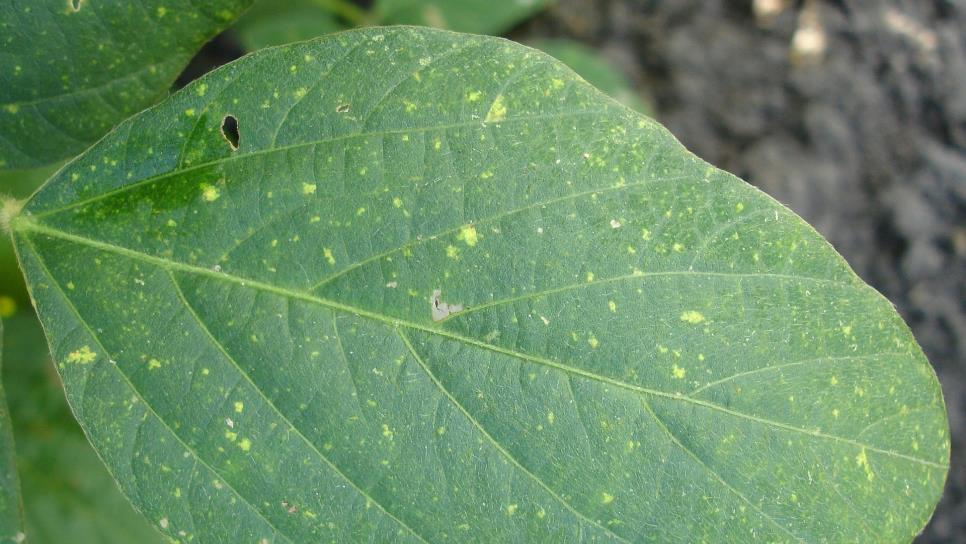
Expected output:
{"points": [[229, 130], [75, 5]]}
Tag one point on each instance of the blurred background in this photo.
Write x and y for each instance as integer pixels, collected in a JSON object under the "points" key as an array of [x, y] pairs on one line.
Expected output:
{"points": [[852, 113]]}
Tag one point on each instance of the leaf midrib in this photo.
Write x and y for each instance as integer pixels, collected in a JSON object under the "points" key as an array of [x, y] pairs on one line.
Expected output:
{"points": [[25, 224]]}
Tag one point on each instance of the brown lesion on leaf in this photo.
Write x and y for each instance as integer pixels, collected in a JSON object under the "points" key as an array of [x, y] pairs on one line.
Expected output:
{"points": [[441, 310]]}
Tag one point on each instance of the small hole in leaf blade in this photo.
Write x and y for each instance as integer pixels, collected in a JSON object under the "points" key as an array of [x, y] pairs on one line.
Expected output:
{"points": [[75, 5], [229, 130]]}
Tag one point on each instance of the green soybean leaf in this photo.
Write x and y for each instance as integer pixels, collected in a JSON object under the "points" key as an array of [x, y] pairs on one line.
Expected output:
{"points": [[277, 22], [477, 16], [11, 505], [434, 286], [72, 69], [68, 495], [597, 70]]}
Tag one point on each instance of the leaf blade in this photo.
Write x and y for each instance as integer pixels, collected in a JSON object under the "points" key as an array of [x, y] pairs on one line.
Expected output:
{"points": [[67, 493], [599, 71], [580, 337], [53, 106]]}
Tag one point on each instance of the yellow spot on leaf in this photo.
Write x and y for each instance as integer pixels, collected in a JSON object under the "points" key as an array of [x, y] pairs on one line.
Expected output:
{"points": [[209, 192], [245, 444], [612, 305], [397, 202], [511, 509], [693, 317], [678, 372], [327, 253], [833, 380], [468, 234], [239, 407], [497, 111], [453, 252], [592, 340], [308, 188], [863, 462], [606, 498], [82, 356], [154, 364], [473, 96]]}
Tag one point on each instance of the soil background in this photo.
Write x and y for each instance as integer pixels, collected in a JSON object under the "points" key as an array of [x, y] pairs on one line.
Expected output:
{"points": [[862, 135], [850, 112]]}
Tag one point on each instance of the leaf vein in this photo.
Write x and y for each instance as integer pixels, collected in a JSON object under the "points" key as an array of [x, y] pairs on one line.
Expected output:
{"points": [[674, 439], [309, 143], [345, 308], [221, 348], [148, 406], [816, 360], [496, 444]]}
